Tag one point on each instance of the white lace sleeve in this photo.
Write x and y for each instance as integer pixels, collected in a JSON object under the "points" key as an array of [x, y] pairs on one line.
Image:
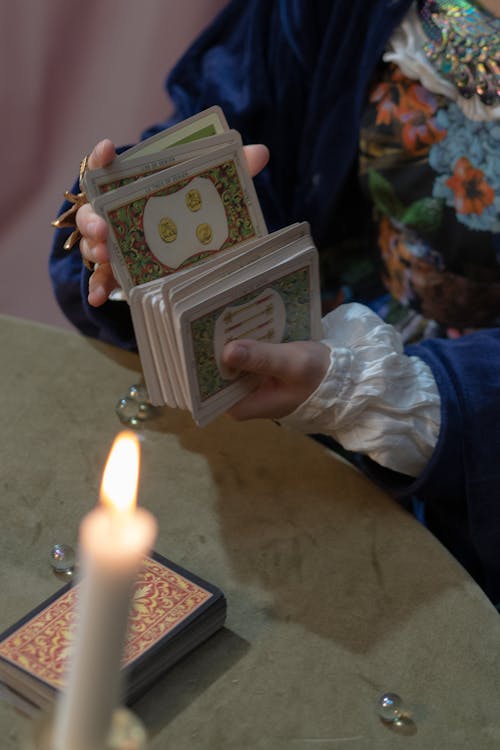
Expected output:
{"points": [[374, 399]]}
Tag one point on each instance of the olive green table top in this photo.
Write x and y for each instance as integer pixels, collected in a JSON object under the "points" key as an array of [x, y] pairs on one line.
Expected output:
{"points": [[334, 593]]}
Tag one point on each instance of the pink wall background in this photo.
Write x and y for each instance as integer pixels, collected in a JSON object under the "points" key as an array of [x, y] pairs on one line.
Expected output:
{"points": [[71, 74]]}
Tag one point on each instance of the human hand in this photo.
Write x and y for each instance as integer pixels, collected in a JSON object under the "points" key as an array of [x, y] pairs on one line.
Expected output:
{"points": [[288, 374], [94, 229]]}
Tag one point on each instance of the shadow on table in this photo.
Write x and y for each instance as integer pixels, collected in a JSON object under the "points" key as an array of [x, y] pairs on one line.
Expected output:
{"points": [[128, 360], [330, 550], [189, 678]]}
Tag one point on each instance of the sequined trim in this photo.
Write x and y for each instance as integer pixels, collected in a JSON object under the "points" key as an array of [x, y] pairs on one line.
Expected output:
{"points": [[405, 49], [463, 43]]}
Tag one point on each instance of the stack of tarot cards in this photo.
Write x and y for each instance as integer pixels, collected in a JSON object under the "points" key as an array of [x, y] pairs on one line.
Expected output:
{"points": [[172, 612], [189, 246]]}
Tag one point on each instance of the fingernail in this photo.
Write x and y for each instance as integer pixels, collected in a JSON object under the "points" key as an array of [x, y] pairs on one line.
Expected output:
{"points": [[238, 354], [97, 295]]}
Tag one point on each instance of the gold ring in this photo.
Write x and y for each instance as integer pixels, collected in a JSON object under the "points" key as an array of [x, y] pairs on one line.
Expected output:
{"points": [[83, 169], [67, 220]]}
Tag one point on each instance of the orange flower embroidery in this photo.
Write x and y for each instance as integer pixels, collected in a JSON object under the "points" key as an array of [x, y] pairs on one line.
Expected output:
{"points": [[419, 132], [471, 191], [404, 104], [386, 96]]}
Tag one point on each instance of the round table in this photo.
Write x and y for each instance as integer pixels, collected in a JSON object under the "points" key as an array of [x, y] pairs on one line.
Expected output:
{"points": [[335, 594]]}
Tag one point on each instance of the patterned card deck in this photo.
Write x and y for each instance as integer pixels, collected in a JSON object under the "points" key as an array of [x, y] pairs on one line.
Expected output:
{"points": [[99, 181], [205, 124], [172, 611], [266, 290], [180, 216], [275, 300], [186, 229]]}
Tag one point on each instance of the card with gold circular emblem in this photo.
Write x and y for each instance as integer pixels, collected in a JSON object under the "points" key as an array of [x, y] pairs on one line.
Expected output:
{"points": [[181, 215]]}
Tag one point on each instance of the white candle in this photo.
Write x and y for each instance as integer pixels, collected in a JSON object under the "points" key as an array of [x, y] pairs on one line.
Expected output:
{"points": [[114, 539]]}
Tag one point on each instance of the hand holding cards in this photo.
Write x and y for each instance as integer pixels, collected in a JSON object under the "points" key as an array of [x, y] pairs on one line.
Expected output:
{"points": [[189, 246]]}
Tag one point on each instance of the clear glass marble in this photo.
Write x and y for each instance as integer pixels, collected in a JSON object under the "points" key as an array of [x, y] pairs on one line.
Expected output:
{"points": [[132, 412], [139, 393], [135, 407], [390, 707], [62, 558]]}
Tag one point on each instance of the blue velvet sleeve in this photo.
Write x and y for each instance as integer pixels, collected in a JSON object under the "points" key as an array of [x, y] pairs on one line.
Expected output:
{"points": [[460, 486]]}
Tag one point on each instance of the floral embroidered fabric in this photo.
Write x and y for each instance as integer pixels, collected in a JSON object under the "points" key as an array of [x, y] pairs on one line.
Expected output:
{"points": [[434, 178], [430, 166]]}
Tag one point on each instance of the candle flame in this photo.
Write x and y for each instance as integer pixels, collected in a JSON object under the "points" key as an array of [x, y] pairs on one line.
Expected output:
{"points": [[121, 474]]}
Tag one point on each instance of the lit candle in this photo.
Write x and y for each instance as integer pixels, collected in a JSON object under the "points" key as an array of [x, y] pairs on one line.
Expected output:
{"points": [[114, 539]]}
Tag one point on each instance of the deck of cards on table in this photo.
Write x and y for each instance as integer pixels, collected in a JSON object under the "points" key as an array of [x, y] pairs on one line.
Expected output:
{"points": [[190, 248], [172, 611]]}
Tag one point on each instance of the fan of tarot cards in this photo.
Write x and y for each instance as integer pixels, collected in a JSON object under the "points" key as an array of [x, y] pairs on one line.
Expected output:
{"points": [[190, 248]]}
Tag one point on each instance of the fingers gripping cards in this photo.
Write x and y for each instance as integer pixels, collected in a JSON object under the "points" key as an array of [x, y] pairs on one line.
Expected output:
{"points": [[190, 249], [267, 290], [181, 215]]}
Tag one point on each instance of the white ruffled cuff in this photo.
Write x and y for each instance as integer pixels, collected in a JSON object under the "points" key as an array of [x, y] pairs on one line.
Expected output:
{"points": [[374, 399]]}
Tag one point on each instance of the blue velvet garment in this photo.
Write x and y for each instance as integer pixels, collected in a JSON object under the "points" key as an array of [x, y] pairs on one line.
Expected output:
{"points": [[460, 486], [293, 74]]}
